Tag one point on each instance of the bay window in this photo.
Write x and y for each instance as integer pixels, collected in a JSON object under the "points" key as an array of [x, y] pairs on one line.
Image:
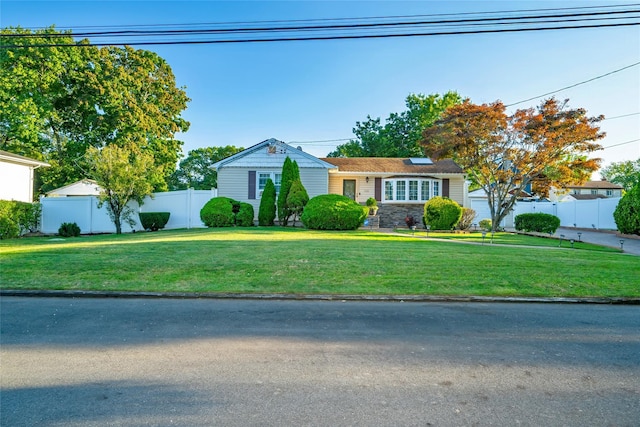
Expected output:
{"points": [[411, 189]]}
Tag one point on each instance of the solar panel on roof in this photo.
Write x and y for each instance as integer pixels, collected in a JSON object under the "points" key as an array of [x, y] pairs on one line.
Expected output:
{"points": [[420, 161]]}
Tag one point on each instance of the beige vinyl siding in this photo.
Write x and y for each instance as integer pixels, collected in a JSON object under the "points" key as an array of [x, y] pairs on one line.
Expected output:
{"points": [[364, 189], [456, 190]]}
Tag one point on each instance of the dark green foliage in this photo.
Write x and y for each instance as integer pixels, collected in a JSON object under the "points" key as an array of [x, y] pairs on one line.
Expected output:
{"points": [[244, 216], [69, 229], [154, 221], [442, 213], [333, 212], [466, 219], [538, 222], [226, 212], [290, 173], [297, 199], [17, 218], [627, 213], [218, 212], [267, 211]]}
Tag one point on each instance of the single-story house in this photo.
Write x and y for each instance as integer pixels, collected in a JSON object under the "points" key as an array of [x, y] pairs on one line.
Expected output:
{"points": [[400, 185], [17, 176], [84, 187]]}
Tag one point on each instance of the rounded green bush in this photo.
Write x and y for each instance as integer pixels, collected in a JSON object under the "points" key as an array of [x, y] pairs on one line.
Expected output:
{"points": [[627, 213], [69, 229], [9, 229], [442, 213], [485, 224], [244, 217], [333, 212], [538, 222], [154, 221], [218, 212]]}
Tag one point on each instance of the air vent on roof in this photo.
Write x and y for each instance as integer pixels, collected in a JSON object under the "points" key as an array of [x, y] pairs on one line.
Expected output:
{"points": [[420, 161]]}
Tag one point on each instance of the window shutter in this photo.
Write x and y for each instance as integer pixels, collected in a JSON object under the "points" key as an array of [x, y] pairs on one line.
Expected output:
{"points": [[445, 187], [378, 189], [252, 185]]}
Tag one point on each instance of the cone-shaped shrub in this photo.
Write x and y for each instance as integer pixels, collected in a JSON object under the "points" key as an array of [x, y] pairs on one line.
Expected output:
{"points": [[297, 199], [267, 211]]}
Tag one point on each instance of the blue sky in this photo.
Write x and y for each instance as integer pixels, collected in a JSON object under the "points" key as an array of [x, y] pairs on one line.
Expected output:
{"points": [[314, 91]]}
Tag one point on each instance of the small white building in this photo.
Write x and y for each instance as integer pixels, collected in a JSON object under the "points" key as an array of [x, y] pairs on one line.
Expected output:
{"points": [[84, 187], [17, 176]]}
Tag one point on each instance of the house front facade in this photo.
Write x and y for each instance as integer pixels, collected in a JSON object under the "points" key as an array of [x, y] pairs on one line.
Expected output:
{"points": [[588, 191], [17, 175], [401, 186]]}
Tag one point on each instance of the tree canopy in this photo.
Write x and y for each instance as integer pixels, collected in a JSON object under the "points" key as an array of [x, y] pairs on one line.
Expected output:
{"points": [[195, 170], [57, 102], [505, 154], [124, 174], [401, 134], [626, 174]]}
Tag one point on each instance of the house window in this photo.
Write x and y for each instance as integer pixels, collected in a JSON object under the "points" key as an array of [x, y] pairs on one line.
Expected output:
{"points": [[594, 192], [262, 178], [424, 193], [411, 190], [401, 189], [609, 193], [388, 190]]}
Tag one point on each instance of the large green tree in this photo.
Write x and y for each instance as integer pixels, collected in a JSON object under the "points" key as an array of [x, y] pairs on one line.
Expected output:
{"points": [[123, 174], [195, 170], [57, 102], [401, 134], [626, 174], [504, 154]]}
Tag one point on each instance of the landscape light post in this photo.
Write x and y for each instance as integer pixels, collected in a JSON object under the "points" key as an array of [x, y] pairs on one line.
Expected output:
{"points": [[621, 244], [484, 234], [579, 236]]}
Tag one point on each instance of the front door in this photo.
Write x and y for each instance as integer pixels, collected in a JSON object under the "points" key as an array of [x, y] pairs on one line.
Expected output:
{"points": [[349, 188]]}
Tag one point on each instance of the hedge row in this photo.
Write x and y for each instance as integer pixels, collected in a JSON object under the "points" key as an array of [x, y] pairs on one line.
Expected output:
{"points": [[17, 218]]}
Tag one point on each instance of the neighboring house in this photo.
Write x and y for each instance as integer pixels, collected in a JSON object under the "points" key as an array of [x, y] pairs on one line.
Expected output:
{"points": [[401, 186], [17, 176], [84, 187], [588, 191]]}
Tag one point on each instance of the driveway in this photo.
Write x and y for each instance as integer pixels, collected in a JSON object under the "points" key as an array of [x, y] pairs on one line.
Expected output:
{"points": [[157, 362], [630, 245]]}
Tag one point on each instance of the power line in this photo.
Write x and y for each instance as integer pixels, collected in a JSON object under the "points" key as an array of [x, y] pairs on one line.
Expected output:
{"points": [[622, 143], [619, 117], [602, 7], [574, 85]]}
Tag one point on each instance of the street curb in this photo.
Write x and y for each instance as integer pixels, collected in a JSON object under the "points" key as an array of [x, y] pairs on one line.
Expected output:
{"points": [[312, 297]]}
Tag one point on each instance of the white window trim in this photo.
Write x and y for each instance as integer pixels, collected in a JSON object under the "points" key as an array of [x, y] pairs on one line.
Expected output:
{"points": [[272, 175], [394, 193]]}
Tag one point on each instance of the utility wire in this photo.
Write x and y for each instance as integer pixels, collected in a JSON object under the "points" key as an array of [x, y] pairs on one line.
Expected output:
{"points": [[622, 143], [574, 85]]}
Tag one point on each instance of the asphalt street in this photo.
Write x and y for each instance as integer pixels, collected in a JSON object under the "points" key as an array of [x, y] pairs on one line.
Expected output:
{"points": [[203, 362]]}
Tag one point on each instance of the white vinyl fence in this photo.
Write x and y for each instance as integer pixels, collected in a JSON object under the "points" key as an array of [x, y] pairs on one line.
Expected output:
{"points": [[184, 207], [596, 213]]}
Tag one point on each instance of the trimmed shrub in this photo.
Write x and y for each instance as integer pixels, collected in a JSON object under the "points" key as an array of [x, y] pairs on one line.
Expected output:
{"points": [[244, 217], [154, 221], [17, 218], [69, 229], [267, 210], [290, 173], [538, 222], [218, 212], [485, 224], [333, 212], [442, 213], [627, 213], [466, 219], [297, 199]]}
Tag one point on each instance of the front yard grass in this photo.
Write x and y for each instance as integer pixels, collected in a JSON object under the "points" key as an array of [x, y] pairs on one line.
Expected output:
{"points": [[298, 261]]}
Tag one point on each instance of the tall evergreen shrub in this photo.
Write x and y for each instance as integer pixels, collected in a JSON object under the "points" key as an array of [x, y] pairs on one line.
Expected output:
{"points": [[290, 173], [267, 210], [297, 199]]}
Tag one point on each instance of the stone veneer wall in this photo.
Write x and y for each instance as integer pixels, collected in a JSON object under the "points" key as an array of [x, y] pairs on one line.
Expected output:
{"points": [[392, 214]]}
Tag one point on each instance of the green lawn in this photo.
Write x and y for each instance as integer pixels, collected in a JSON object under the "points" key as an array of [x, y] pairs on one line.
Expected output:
{"points": [[277, 260]]}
